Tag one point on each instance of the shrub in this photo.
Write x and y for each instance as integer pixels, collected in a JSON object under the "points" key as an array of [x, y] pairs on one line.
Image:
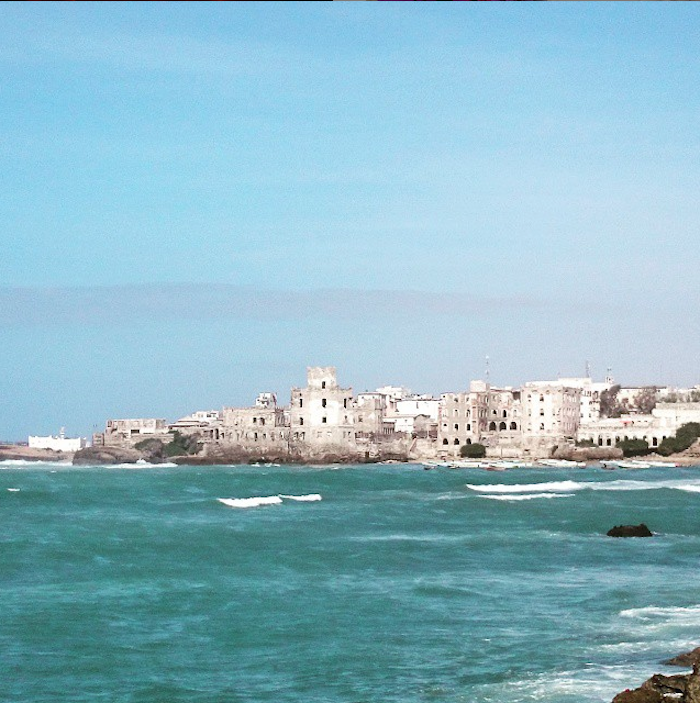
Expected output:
{"points": [[181, 444], [634, 447], [473, 451], [685, 437]]}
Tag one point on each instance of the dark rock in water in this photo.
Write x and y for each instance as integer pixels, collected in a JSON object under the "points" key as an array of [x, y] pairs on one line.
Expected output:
{"points": [[686, 659], [106, 455], [630, 531], [664, 689]]}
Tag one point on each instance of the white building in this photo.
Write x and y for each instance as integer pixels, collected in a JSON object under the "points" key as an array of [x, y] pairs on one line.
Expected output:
{"points": [[57, 444], [663, 422]]}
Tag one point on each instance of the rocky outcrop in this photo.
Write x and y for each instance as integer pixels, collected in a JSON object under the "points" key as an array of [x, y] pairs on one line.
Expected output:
{"points": [[684, 688], [106, 455], [587, 453], [14, 452], [686, 659], [640, 530]]}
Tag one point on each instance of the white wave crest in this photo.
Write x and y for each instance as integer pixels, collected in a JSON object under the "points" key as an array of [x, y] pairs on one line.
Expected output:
{"points": [[13, 490], [310, 497], [250, 502], [140, 464], [667, 613], [689, 488], [525, 496], [548, 486]]}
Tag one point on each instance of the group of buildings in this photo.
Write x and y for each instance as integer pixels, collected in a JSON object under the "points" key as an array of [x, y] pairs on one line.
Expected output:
{"points": [[326, 420]]}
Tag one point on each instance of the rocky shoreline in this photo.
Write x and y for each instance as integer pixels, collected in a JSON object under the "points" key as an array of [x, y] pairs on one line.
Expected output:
{"points": [[679, 688]]}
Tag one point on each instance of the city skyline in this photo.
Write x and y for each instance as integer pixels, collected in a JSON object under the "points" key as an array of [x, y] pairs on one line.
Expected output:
{"points": [[200, 203]]}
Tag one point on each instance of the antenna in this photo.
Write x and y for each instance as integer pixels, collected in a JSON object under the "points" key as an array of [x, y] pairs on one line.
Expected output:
{"points": [[488, 370], [588, 369]]}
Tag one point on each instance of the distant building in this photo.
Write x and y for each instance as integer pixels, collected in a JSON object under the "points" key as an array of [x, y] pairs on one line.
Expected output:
{"points": [[131, 431], [61, 443], [663, 421], [322, 413], [551, 413], [197, 420]]}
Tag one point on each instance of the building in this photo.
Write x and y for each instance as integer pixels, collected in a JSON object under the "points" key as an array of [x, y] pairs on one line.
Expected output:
{"points": [[131, 431], [485, 415], [196, 421], [663, 421], [57, 444], [551, 413], [322, 414]]}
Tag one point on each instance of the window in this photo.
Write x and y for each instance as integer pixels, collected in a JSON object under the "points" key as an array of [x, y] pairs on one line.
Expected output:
{"points": [[255, 420], [323, 384], [301, 420], [502, 426], [456, 426], [513, 426], [492, 427], [456, 441], [469, 427], [324, 420], [541, 425], [444, 441], [323, 402], [301, 402], [345, 402]]}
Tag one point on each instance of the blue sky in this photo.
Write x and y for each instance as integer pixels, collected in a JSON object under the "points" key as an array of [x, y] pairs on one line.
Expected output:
{"points": [[200, 200]]}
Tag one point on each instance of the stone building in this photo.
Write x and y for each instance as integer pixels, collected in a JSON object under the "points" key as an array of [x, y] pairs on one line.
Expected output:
{"points": [[321, 415], [663, 421], [485, 415], [128, 432], [370, 413], [551, 413]]}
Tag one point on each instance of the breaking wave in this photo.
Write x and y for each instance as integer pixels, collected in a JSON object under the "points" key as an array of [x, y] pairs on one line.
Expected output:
{"points": [[257, 501], [551, 486], [250, 502], [525, 496], [692, 486], [670, 613]]}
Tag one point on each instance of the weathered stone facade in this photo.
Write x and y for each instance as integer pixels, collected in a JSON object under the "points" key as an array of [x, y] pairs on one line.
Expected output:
{"points": [[663, 422], [129, 432]]}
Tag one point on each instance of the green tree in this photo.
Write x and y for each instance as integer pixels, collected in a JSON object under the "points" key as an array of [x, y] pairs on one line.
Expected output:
{"points": [[645, 400], [685, 438], [609, 403], [473, 451]]}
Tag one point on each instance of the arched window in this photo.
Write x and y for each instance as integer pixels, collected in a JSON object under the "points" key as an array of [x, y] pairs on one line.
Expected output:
{"points": [[513, 426], [492, 427], [502, 426], [608, 442], [469, 427], [655, 441], [444, 441], [456, 441], [469, 440], [505, 413]]}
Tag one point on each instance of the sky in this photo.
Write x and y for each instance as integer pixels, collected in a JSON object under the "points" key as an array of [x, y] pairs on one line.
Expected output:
{"points": [[200, 200]]}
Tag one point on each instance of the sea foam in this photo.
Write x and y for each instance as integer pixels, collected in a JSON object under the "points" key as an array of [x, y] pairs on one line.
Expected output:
{"points": [[250, 502], [525, 496], [310, 497], [550, 487]]}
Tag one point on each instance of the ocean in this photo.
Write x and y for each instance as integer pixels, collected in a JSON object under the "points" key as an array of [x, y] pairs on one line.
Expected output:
{"points": [[351, 584]]}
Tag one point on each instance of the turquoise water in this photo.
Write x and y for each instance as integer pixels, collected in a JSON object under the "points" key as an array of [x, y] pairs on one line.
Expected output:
{"points": [[138, 585]]}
